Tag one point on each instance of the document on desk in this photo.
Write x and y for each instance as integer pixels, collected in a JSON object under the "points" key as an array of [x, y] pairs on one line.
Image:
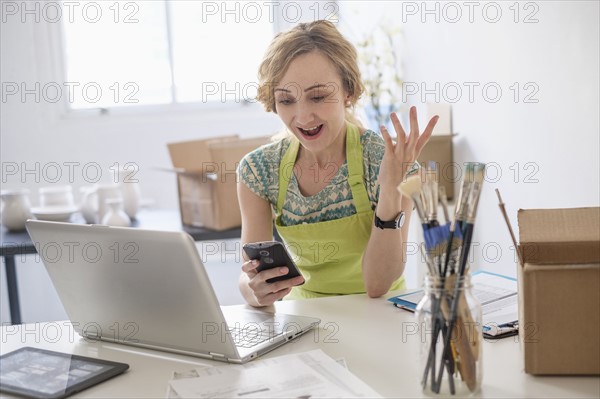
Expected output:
{"points": [[310, 374], [497, 295]]}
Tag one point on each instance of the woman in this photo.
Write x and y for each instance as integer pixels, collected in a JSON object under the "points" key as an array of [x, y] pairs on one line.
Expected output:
{"points": [[331, 183]]}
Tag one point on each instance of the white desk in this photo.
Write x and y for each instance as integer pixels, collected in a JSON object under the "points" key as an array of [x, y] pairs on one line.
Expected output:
{"points": [[368, 333]]}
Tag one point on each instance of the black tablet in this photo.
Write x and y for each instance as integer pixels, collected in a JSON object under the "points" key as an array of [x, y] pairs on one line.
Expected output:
{"points": [[41, 373]]}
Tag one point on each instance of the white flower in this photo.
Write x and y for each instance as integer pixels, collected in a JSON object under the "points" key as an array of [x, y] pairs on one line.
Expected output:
{"points": [[381, 70]]}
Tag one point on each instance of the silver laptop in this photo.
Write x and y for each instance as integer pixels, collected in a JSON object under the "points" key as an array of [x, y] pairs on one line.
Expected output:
{"points": [[149, 288]]}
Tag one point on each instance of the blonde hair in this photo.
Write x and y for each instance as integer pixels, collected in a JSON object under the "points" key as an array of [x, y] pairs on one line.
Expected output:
{"points": [[304, 38]]}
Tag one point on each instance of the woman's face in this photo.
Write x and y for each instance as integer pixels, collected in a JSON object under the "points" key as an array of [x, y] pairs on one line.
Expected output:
{"points": [[310, 100]]}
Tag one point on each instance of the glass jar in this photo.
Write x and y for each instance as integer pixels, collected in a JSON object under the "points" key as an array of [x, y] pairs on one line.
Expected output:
{"points": [[450, 364]]}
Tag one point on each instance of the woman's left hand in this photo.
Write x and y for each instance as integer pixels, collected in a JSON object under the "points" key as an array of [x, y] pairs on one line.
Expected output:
{"points": [[400, 156]]}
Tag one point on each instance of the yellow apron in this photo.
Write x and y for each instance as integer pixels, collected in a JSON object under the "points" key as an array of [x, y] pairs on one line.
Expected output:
{"points": [[329, 254]]}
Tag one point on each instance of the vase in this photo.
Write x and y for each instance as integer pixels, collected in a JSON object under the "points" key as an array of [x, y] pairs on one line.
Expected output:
{"points": [[115, 216], [130, 190], [105, 193], [16, 209], [89, 204]]}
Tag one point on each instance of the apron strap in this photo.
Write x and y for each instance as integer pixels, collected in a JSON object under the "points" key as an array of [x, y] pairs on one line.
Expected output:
{"points": [[286, 168], [354, 157]]}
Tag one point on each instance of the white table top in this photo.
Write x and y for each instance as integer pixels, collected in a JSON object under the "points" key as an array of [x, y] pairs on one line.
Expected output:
{"points": [[367, 332]]}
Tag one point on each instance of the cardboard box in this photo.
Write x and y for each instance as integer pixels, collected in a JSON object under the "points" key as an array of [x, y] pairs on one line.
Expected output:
{"points": [[207, 180], [439, 149], [559, 290], [444, 113]]}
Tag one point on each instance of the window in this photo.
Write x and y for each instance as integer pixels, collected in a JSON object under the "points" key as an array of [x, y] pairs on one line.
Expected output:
{"points": [[216, 57], [125, 53]]}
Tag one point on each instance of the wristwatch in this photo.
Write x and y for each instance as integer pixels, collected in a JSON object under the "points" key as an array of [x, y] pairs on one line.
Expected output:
{"points": [[390, 224]]}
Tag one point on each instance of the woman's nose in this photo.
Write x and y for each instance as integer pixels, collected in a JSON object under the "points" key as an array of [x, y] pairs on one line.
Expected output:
{"points": [[304, 114]]}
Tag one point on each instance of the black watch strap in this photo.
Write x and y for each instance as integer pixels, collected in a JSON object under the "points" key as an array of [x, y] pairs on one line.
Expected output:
{"points": [[390, 224]]}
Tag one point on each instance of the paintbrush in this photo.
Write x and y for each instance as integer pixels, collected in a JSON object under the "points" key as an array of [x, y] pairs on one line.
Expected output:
{"points": [[411, 187], [444, 202], [426, 193], [436, 236], [510, 230], [435, 244], [453, 247], [439, 241], [433, 178], [474, 194], [454, 241]]}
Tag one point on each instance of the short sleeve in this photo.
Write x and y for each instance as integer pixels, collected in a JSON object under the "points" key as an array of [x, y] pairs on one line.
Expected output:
{"points": [[373, 149], [248, 175]]}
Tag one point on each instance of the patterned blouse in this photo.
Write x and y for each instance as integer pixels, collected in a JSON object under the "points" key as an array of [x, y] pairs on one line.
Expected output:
{"points": [[259, 170]]}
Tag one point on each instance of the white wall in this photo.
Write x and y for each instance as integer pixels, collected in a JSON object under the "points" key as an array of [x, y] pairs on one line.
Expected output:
{"points": [[559, 134], [540, 155]]}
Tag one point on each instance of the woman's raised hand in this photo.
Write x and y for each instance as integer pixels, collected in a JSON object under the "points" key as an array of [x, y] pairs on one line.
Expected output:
{"points": [[400, 156]]}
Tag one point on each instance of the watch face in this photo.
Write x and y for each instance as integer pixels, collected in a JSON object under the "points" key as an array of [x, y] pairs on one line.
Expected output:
{"points": [[401, 219]]}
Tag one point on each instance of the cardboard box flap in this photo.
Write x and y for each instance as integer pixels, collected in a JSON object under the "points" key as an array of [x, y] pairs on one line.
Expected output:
{"points": [[241, 146], [226, 155], [184, 172], [559, 236], [191, 155], [441, 137], [439, 148], [207, 179]]}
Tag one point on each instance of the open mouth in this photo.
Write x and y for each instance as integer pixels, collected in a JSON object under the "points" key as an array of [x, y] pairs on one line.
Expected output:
{"points": [[312, 131]]}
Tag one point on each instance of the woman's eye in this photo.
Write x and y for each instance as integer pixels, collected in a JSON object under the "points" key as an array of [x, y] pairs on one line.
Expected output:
{"points": [[318, 98], [285, 101]]}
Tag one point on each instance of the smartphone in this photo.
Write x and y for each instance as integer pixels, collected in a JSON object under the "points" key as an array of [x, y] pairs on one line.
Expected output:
{"points": [[271, 254]]}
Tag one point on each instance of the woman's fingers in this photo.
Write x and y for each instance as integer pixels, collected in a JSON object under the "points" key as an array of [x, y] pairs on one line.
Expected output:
{"points": [[414, 143], [250, 266], [394, 149], [389, 143], [272, 273], [424, 138], [414, 123], [400, 133], [269, 299], [414, 131], [407, 149], [267, 293]]}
